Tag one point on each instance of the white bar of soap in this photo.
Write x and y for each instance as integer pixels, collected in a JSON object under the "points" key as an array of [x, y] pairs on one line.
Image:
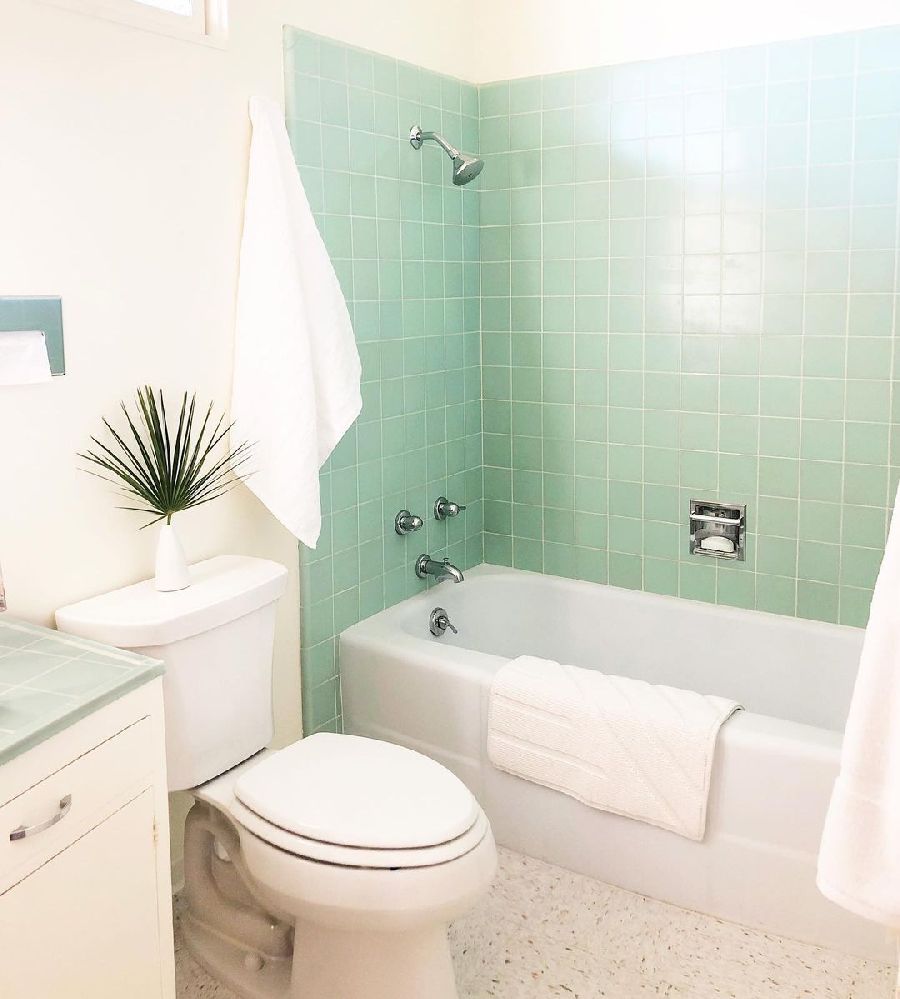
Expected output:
{"points": [[717, 543]]}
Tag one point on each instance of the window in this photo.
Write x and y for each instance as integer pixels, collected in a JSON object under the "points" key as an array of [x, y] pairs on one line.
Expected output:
{"points": [[193, 19]]}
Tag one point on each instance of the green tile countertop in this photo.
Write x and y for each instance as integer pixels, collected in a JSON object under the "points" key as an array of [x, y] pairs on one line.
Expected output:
{"points": [[49, 680]]}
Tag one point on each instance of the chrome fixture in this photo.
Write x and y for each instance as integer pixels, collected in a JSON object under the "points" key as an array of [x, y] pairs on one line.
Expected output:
{"points": [[439, 622], [23, 832], [465, 166], [717, 529], [406, 522], [443, 508], [426, 566]]}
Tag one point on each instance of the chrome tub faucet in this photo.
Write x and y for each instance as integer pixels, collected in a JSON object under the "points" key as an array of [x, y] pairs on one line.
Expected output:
{"points": [[427, 566]]}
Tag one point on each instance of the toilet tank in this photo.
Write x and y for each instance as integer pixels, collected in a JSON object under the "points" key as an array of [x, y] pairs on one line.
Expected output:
{"points": [[216, 639]]}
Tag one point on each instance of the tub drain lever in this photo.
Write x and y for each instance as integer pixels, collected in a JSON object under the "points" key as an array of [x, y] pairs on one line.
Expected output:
{"points": [[439, 622]]}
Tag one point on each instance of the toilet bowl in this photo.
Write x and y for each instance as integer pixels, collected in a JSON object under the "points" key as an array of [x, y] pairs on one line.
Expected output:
{"points": [[367, 876], [326, 870]]}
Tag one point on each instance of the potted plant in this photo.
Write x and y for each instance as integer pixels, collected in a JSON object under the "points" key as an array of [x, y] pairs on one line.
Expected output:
{"points": [[166, 470]]}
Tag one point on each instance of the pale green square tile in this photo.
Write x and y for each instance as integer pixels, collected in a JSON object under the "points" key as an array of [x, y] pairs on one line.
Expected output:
{"points": [[859, 566], [865, 484], [737, 474], [778, 516], [818, 601], [866, 443], [625, 570], [779, 476], [776, 594], [660, 576], [779, 437], [821, 440], [697, 581], [820, 521], [864, 525], [662, 540], [820, 480], [869, 401], [777, 556], [854, 606], [735, 588], [820, 562]]}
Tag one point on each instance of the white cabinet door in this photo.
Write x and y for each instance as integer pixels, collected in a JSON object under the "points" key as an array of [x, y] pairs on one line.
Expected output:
{"points": [[85, 925]]}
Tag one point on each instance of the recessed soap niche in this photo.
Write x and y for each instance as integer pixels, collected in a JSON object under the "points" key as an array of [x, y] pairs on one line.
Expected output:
{"points": [[717, 529], [37, 312]]}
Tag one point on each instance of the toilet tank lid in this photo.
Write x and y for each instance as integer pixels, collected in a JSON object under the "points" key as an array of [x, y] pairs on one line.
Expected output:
{"points": [[222, 589]]}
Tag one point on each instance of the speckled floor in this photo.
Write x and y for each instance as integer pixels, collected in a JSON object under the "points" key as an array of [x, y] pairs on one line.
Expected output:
{"points": [[545, 932]]}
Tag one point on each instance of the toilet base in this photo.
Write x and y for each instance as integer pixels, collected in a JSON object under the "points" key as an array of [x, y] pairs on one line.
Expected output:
{"points": [[330, 964], [228, 962], [336, 964], [255, 946]]}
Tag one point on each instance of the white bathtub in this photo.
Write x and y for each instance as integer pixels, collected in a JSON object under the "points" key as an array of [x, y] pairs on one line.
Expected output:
{"points": [[775, 764]]}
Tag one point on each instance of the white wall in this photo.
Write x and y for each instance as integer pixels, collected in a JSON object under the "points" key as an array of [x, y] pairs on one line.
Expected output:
{"points": [[121, 182], [527, 37]]}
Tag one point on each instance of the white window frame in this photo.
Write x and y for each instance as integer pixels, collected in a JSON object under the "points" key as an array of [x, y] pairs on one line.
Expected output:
{"points": [[208, 23]]}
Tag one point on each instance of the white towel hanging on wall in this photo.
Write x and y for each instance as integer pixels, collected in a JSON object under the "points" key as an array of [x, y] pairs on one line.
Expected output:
{"points": [[296, 366], [859, 860]]}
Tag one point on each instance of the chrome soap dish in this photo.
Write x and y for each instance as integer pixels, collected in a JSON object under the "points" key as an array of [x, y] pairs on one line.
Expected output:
{"points": [[717, 529]]}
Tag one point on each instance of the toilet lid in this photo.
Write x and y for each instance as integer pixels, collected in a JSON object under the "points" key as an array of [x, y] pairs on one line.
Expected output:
{"points": [[358, 792]]}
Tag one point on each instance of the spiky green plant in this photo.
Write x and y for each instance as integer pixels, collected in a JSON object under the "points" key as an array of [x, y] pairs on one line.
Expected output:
{"points": [[165, 470]]}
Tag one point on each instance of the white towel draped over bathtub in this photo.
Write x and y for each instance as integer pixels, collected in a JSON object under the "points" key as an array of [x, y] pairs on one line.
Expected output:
{"points": [[859, 860], [637, 749], [296, 366]]}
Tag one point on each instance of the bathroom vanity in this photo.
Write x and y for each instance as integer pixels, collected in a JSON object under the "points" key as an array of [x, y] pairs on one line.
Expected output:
{"points": [[85, 893]]}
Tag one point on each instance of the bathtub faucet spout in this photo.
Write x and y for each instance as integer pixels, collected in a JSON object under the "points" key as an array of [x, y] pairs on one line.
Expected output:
{"points": [[427, 566]]}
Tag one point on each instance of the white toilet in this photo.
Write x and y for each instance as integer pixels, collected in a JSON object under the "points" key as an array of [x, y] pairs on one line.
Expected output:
{"points": [[326, 870]]}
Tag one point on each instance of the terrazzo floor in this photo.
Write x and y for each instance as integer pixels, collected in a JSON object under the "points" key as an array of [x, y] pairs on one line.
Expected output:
{"points": [[544, 932]]}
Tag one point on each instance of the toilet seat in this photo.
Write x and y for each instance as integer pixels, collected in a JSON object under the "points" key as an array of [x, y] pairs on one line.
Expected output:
{"points": [[352, 802], [343, 856], [356, 792]]}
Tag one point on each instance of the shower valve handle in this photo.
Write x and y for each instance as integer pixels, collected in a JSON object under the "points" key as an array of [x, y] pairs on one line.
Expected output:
{"points": [[444, 508]]}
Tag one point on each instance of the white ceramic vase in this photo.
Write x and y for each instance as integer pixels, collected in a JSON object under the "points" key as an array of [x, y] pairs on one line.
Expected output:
{"points": [[171, 565]]}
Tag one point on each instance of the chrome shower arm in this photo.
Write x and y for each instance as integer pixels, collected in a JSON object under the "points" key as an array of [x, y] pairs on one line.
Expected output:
{"points": [[465, 166], [450, 150]]}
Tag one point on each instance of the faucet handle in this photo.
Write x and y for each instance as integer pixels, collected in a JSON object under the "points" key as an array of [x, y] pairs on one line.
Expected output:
{"points": [[406, 522], [444, 508]]}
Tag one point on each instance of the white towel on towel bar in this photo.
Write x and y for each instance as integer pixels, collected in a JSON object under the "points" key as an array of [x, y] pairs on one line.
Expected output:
{"points": [[637, 749], [296, 366]]}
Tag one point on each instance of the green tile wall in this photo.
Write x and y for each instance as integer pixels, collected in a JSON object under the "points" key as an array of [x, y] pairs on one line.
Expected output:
{"points": [[690, 288], [405, 244], [673, 279]]}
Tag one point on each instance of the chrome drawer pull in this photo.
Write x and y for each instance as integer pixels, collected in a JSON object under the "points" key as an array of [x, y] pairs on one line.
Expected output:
{"points": [[22, 832]]}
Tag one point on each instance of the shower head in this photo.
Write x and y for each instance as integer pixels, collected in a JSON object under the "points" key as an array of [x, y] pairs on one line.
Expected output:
{"points": [[465, 166]]}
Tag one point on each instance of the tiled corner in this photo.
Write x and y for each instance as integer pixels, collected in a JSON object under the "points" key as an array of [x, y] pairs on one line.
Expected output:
{"points": [[689, 288], [405, 244]]}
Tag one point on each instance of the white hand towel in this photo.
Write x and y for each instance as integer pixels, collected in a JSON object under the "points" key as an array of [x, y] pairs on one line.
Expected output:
{"points": [[637, 749], [859, 859], [296, 366]]}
